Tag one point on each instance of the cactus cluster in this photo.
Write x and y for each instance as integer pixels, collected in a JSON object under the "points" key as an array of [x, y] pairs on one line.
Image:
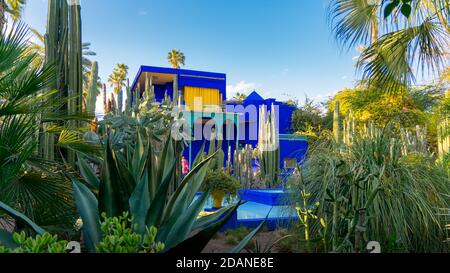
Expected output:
{"points": [[268, 146], [243, 169], [64, 52], [414, 142], [346, 131]]}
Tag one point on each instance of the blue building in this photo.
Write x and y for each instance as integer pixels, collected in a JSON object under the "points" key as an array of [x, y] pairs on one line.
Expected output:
{"points": [[204, 102]]}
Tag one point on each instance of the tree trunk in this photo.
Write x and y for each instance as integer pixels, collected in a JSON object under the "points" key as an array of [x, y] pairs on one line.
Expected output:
{"points": [[374, 30], [2, 14]]}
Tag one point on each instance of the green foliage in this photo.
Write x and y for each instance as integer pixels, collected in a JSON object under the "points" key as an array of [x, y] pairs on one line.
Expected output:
{"points": [[368, 104], [12, 7], [29, 184], [220, 180], [370, 191], [138, 175], [309, 120], [118, 77], [119, 236], [176, 58], [404, 5], [394, 49], [45, 243]]}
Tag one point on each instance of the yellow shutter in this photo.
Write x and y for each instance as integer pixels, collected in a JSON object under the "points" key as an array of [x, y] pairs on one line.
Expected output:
{"points": [[209, 97]]}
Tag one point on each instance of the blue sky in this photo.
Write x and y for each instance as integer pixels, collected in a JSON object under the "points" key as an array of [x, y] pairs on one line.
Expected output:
{"points": [[282, 48]]}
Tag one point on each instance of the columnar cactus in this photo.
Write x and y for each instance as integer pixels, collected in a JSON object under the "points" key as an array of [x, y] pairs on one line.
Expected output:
{"points": [[63, 49], [337, 123], [349, 129], [243, 167], [92, 90], [268, 146], [120, 101]]}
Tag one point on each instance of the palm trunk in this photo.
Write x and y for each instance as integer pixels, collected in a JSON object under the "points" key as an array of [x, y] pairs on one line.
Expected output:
{"points": [[374, 28], [2, 14]]}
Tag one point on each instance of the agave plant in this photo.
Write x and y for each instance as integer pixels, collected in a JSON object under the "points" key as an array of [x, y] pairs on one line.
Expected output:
{"points": [[139, 177]]}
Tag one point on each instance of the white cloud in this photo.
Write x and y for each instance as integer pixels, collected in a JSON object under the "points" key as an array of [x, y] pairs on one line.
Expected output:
{"points": [[242, 87]]}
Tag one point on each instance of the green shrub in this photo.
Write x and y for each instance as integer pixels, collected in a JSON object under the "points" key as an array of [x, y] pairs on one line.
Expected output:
{"points": [[369, 191], [119, 236], [220, 180], [45, 243]]}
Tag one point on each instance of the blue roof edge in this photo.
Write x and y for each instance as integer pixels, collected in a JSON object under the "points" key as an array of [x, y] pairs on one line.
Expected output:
{"points": [[175, 71]]}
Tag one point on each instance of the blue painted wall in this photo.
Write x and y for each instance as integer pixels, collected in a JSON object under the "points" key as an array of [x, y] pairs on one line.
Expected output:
{"points": [[288, 148], [186, 77], [160, 90]]}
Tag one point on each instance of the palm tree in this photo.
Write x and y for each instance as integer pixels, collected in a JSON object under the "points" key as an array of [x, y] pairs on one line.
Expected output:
{"points": [[13, 8], [29, 184], [394, 45], [176, 58], [239, 97], [117, 78]]}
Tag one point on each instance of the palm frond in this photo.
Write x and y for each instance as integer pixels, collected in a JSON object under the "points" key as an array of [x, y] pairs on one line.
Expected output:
{"points": [[352, 20], [389, 62], [47, 200]]}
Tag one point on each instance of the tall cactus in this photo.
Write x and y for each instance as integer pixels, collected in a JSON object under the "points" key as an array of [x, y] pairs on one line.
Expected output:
{"points": [[268, 145], [75, 79], [129, 100], [444, 132], [64, 52], [92, 90], [119, 101], [349, 130], [56, 50], [243, 167], [337, 123]]}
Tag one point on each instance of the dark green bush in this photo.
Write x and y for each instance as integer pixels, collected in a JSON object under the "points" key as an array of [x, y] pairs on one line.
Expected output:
{"points": [[220, 180]]}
